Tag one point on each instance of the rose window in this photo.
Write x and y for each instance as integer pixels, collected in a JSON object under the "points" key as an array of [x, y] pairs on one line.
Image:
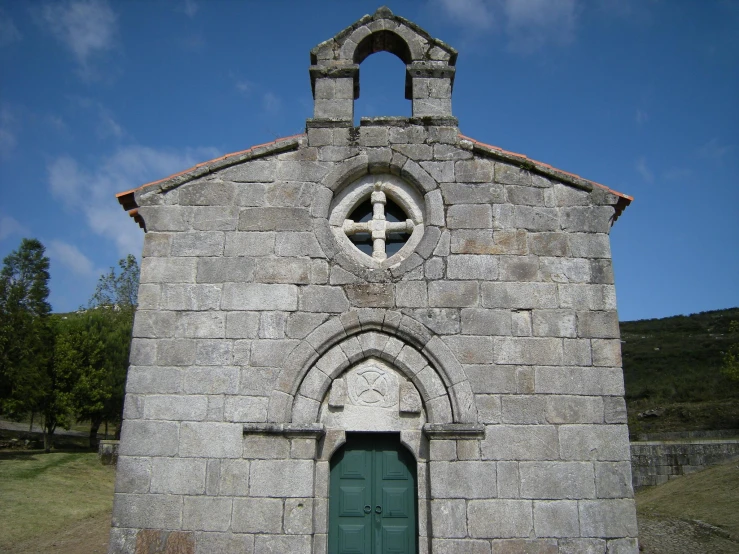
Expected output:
{"points": [[378, 220]]}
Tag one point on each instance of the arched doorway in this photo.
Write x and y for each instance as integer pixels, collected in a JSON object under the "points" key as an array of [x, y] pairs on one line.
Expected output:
{"points": [[372, 498]]}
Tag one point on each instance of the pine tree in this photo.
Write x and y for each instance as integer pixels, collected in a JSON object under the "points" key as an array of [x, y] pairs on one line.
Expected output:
{"points": [[25, 336]]}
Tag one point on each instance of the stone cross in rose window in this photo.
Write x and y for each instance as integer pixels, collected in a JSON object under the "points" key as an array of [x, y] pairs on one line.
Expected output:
{"points": [[378, 226]]}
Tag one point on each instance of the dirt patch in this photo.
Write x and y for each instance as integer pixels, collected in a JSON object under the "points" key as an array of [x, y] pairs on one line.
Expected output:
{"points": [[89, 536], [668, 535]]}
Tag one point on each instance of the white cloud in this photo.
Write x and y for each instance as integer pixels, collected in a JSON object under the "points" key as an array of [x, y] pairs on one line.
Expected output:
{"points": [[531, 24], [476, 14], [190, 7], [715, 150], [244, 86], [8, 140], [644, 171], [271, 102], [641, 117], [11, 226], [70, 256], [92, 190], [86, 27], [9, 33]]}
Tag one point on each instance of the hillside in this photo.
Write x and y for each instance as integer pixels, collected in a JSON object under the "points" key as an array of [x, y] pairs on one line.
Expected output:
{"points": [[672, 368]]}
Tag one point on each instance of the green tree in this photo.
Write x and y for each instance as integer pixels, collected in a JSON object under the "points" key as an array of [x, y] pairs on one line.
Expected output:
{"points": [[79, 355], [731, 356], [25, 335], [114, 304]]}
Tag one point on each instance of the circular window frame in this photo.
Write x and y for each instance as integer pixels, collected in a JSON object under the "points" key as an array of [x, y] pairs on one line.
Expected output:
{"points": [[396, 190]]}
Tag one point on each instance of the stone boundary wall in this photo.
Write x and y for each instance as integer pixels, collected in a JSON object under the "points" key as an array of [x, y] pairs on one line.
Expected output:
{"points": [[656, 462]]}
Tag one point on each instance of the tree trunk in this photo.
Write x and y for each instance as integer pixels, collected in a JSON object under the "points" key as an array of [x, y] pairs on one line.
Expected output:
{"points": [[30, 427], [106, 429], [94, 426], [49, 429]]}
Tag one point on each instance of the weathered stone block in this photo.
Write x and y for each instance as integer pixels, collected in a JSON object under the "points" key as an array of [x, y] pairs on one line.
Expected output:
{"points": [[257, 515], [323, 299], [222, 270], [548, 244], [587, 219], [556, 519], [613, 480], [582, 546], [298, 519], [554, 323], [258, 296], [275, 219], [607, 518], [472, 193], [133, 474], [211, 440], [449, 518], [471, 349], [602, 325], [298, 244], [500, 518], [215, 218], [520, 442], [594, 442], [176, 407], [589, 245], [527, 351], [245, 408], [287, 478], [283, 270], [163, 511], [204, 325], [249, 244], [523, 409], [168, 270], [460, 294], [463, 480], [519, 295], [587, 297], [149, 438], [491, 379], [574, 409], [207, 514], [614, 409], [536, 218], [472, 267], [474, 171], [469, 216], [178, 476], [242, 325], [370, 295], [280, 544], [479, 321], [203, 243], [557, 480], [519, 268], [579, 380]]}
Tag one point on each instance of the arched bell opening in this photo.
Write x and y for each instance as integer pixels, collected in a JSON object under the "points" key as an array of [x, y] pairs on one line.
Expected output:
{"points": [[382, 87]]}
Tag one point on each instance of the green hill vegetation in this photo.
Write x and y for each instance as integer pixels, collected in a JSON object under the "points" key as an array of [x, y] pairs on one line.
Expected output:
{"points": [[673, 372]]}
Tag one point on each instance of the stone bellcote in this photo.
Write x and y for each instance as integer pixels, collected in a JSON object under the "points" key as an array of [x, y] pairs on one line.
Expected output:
{"points": [[334, 69]]}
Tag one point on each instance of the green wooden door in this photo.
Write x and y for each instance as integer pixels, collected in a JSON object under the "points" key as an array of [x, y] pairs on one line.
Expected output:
{"points": [[372, 507]]}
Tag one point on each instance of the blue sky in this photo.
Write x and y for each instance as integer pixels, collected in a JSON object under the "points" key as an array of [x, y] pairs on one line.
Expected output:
{"points": [[641, 95]]}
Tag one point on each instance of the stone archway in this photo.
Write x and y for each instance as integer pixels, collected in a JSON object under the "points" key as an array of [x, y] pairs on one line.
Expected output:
{"points": [[396, 338]]}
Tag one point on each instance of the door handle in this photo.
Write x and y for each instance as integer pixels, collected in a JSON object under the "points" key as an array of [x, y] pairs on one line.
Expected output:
{"points": [[378, 509], [367, 509]]}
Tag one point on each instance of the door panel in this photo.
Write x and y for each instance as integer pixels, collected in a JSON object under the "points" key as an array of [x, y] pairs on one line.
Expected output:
{"points": [[372, 504]]}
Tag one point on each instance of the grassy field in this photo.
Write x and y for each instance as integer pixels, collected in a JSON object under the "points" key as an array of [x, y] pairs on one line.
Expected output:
{"points": [[711, 496], [42, 494]]}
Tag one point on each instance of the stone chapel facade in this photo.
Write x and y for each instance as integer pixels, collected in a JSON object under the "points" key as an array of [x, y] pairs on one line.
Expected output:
{"points": [[384, 338]]}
